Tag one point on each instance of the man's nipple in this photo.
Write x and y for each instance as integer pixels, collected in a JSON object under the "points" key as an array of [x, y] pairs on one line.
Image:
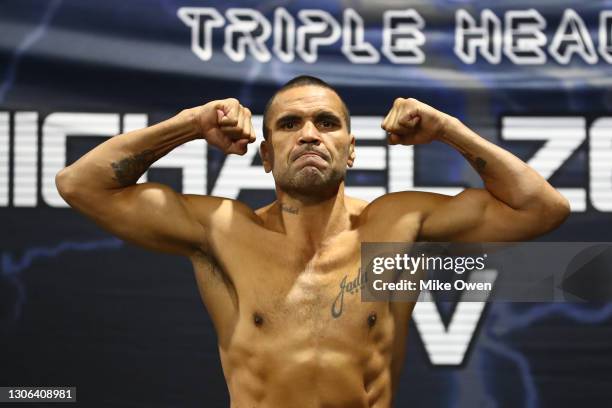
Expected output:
{"points": [[257, 319], [372, 319]]}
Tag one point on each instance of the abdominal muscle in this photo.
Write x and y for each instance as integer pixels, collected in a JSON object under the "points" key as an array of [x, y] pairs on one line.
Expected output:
{"points": [[281, 345], [296, 366]]}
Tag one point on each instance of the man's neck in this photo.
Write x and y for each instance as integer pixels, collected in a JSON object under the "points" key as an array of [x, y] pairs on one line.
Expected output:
{"points": [[313, 221]]}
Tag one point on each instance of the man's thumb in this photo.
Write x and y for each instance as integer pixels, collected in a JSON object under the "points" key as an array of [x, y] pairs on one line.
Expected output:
{"points": [[226, 116], [220, 115]]}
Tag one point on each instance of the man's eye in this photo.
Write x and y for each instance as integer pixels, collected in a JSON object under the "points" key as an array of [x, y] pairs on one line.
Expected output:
{"points": [[288, 125], [327, 124]]}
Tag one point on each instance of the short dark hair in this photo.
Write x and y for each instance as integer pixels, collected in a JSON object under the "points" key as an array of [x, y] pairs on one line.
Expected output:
{"points": [[304, 80]]}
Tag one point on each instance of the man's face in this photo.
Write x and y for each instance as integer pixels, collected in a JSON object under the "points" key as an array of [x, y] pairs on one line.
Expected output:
{"points": [[309, 146]]}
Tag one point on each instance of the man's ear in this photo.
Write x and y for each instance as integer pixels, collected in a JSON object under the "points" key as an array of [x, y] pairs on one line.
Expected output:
{"points": [[351, 156], [265, 151]]}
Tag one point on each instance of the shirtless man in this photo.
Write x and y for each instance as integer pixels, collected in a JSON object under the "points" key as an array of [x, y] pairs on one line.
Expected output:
{"points": [[269, 277]]}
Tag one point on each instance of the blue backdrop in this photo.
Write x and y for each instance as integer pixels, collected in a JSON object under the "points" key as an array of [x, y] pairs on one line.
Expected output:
{"points": [[79, 307]]}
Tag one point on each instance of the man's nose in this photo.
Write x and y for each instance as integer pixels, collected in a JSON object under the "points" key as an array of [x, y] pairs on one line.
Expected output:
{"points": [[309, 134]]}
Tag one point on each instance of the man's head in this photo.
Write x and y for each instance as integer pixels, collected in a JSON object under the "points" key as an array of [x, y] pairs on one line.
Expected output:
{"points": [[308, 144], [303, 80]]}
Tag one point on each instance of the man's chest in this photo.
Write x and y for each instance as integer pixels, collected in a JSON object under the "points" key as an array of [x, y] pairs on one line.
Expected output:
{"points": [[288, 282], [285, 279]]}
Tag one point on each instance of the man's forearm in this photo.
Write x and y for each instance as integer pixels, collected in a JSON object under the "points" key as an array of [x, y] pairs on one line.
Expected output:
{"points": [[505, 176], [121, 160]]}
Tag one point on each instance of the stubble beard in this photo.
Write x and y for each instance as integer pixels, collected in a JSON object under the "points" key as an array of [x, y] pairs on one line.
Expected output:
{"points": [[311, 183]]}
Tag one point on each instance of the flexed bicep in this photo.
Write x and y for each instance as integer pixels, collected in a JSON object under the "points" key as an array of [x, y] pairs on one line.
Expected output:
{"points": [[475, 215], [153, 216]]}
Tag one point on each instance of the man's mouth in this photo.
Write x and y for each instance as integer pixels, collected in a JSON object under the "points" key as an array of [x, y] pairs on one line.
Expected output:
{"points": [[311, 159], [311, 154]]}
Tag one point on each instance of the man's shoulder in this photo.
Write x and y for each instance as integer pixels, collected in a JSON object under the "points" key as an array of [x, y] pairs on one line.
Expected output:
{"points": [[399, 203], [221, 209], [392, 217]]}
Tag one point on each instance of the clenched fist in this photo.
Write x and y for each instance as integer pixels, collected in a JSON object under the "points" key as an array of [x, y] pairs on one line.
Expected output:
{"points": [[225, 124], [411, 122]]}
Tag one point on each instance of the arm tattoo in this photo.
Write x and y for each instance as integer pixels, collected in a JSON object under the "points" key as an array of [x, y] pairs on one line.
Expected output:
{"points": [[477, 163], [128, 170], [291, 210]]}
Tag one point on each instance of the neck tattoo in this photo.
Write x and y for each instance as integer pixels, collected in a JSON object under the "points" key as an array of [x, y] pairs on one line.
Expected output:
{"points": [[290, 210]]}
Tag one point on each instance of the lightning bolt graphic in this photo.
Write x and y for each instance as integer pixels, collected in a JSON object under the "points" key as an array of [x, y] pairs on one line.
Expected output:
{"points": [[25, 45], [11, 269], [503, 320]]}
